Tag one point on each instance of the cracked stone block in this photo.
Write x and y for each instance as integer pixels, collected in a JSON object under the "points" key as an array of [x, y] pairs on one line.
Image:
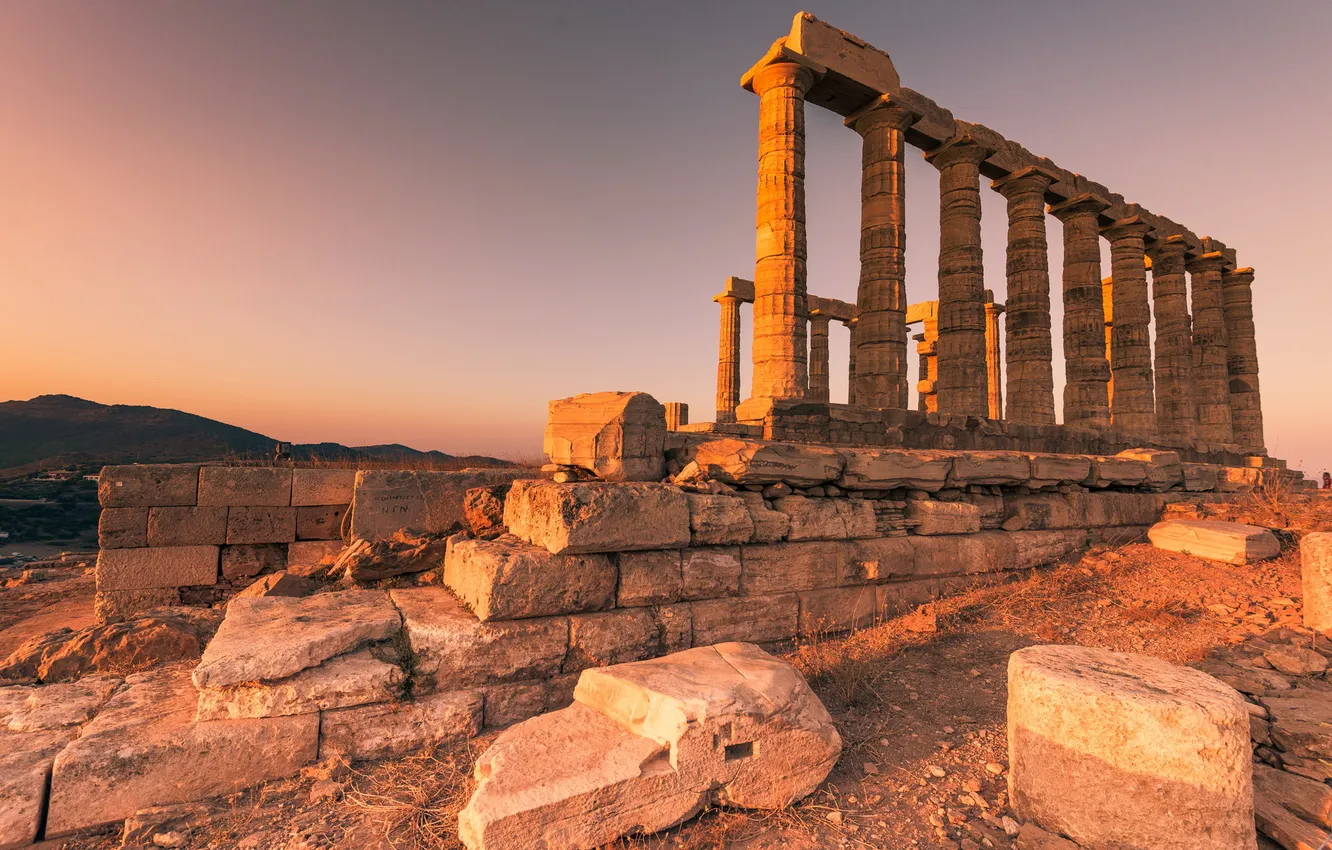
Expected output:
{"points": [[357, 678], [598, 516], [1229, 542], [751, 462], [311, 487], [386, 730], [888, 469], [990, 468], [617, 436], [148, 485], [507, 579], [25, 767], [933, 517], [719, 520]]}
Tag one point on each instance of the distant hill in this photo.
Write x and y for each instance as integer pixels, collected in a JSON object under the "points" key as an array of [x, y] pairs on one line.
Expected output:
{"points": [[54, 431]]}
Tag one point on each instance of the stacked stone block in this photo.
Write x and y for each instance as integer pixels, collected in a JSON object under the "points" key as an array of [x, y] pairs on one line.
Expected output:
{"points": [[195, 534]]}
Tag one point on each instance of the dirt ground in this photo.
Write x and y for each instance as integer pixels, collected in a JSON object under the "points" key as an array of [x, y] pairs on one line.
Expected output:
{"points": [[919, 701]]}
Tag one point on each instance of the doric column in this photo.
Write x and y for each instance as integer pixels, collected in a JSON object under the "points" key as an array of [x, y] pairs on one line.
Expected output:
{"points": [[994, 391], [927, 346], [1133, 405], [818, 358], [961, 348], [728, 358], [881, 362], [1176, 414], [780, 340], [1246, 406], [677, 414], [1108, 305], [851, 363], [1030, 351], [1086, 370], [1211, 382], [924, 387]]}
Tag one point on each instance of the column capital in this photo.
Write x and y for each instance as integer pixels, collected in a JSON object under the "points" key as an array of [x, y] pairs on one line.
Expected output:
{"points": [[1238, 276], [1173, 245], [1126, 228], [956, 150], [884, 110], [1086, 203], [725, 298], [781, 73], [1212, 261], [1032, 179]]}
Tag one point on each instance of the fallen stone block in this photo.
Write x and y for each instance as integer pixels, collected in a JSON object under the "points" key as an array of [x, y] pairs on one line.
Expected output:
{"points": [[115, 606], [404, 553], [483, 511], [46, 707], [1051, 469], [507, 579], [757, 619], [719, 520], [1316, 573], [148, 485], [1306, 798], [275, 637], [248, 486], [1301, 722], [357, 678], [187, 526], [144, 749], [122, 528], [146, 641], [248, 561], [261, 525], [1283, 826], [990, 468], [279, 584], [306, 557], [319, 522], [420, 501], [751, 462], [647, 745], [617, 436], [322, 487], [598, 516], [1032, 837], [1229, 542], [455, 650], [167, 566], [25, 768], [1166, 748], [632, 634], [888, 469], [931, 517], [395, 729]]}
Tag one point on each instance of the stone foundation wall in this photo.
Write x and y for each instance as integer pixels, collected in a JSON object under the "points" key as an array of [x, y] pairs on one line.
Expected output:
{"points": [[197, 534]]}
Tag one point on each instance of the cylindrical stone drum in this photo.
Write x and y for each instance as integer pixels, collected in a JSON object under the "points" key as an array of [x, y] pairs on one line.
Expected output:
{"points": [[1316, 567], [1126, 752]]}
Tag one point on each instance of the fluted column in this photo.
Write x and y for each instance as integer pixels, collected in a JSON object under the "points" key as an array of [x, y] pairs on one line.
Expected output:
{"points": [[1086, 370], [881, 358], [1030, 349], [1211, 381], [1246, 406], [924, 387], [818, 358], [1133, 405], [961, 348], [728, 358], [927, 346], [1176, 413], [994, 398], [780, 338], [851, 363]]}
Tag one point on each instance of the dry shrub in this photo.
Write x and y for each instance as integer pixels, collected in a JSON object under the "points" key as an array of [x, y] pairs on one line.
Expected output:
{"points": [[414, 802]]}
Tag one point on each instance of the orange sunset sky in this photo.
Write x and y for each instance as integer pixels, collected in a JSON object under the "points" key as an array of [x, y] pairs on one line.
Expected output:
{"points": [[417, 222]]}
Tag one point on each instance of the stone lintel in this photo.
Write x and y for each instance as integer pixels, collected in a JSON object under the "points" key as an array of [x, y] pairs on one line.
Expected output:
{"points": [[990, 304], [737, 287], [1157, 245], [936, 125], [850, 71], [924, 311], [1032, 175], [963, 146], [840, 311], [1084, 202], [778, 54], [1130, 226]]}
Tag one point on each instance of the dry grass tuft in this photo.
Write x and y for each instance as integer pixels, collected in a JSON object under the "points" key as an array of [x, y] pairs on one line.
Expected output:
{"points": [[414, 802]]}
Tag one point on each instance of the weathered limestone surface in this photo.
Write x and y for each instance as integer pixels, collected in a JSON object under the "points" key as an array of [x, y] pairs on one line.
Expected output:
{"points": [[1133, 407], [1211, 380], [881, 559], [1246, 405], [783, 567], [990, 468], [261, 524], [122, 528], [598, 516], [719, 520], [986, 552], [253, 486], [187, 526], [647, 745], [780, 338], [319, 522], [249, 560], [1116, 472], [962, 377], [144, 749], [1231, 542], [615, 637], [944, 517], [1176, 412], [280, 584], [818, 358], [728, 358], [167, 566], [769, 525], [994, 389], [148, 485], [760, 619], [1316, 571], [1086, 370], [25, 765], [1027, 331], [710, 573], [114, 606], [826, 519], [651, 578], [515, 702], [394, 729], [838, 609], [506, 579], [274, 637], [424, 502], [1049, 469], [322, 486], [749, 462], [306, 554], [1166, 747], [356, 678], [868, 469], [46, 707], [618, 436]]}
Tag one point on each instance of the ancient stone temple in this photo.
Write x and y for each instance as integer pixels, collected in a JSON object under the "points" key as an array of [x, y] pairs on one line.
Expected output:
{"points": [[1193, 388]]}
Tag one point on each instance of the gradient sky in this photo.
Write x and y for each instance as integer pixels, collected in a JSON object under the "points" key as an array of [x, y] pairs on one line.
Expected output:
{"points": [[417, 222]]}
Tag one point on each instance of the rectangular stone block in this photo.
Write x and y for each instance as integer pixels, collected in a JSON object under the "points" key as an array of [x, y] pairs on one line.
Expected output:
{"points": [[261, 525], [990, 468], [395, 729], [314, 487], [519, 701], [755, 619], [455, 650], [838, 609], [1199, 477], [986, 552], [507, 579], [650, 578], [148, 485], [769, 525], [319, 522], [1116, 472], [115, 606], [144, 749], [933, 517], [122, 528], [1105, 509], [618, 436], [1042, 548], [1051, 469], [247, 561], [1040, 511], [253, 486], [753, 462], [305, 555], [598, 516], [784, 567], [881, 559], [901, 597], [631, 634], [888, 469], [710, 573], [188, 526], [718, 520], [167, 566], [356, 678], [1229, 542], [425, 502]]}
